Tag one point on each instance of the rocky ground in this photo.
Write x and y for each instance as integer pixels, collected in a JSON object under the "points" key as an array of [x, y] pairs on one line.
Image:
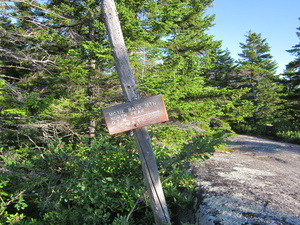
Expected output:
{"points": [[258, 183]]}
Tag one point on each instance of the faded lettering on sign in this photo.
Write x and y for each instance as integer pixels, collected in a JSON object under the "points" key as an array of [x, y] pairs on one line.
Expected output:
{"points": [[135, 114]]}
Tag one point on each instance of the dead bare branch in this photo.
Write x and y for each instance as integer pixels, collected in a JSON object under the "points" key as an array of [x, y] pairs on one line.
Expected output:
{"points": [[32, 3], [49, 131], [20, 133], [14, 91], [9, 77]]}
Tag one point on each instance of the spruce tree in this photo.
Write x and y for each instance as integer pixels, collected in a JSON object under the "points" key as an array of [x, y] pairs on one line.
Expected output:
{"points": [[257, 70], [66, 55], [291, 79], [223, 69], [22, 58], [183, 53], [71, 65]]}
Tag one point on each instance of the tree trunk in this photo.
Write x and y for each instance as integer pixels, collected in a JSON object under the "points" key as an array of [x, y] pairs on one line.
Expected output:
{"points": [[255, 116], [91, 104]]}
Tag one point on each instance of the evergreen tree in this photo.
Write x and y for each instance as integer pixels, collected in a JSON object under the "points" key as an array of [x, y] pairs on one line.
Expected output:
{"points": [[257, 71], [291, 79], [66, 56], [182, 56], [71, 71], [57, 73], [223, 69], [22, 57]]}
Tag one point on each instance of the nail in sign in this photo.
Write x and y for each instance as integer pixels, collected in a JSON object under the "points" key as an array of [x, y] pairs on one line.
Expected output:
{"points": [[135, 114]]}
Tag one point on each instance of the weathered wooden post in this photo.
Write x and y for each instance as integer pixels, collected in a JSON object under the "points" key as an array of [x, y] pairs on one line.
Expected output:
{"points": [[135, 113]]}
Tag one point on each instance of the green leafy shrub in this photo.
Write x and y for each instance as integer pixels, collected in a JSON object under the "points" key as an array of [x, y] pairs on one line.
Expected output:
{"points": [[289, 136], [172, 136], [281, 130], [97, 183], [72, 184], [287, 131]]}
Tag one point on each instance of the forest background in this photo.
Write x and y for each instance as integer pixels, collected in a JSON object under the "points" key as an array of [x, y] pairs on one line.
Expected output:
{"points": [[59, 165]]}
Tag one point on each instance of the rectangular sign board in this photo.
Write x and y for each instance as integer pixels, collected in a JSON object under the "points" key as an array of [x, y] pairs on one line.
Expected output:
{"points": [[135, 114]]}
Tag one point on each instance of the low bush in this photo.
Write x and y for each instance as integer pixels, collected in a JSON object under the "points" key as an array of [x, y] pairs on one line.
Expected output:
{"points": [[281, 130], [97, 183], [287, 131]]}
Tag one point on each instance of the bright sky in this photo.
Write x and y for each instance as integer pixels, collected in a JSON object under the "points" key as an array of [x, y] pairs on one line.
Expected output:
{"points": [[276, 20]]}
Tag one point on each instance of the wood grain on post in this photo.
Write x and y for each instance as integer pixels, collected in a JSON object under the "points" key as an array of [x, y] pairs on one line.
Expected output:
{"points": [[130, 91], [119, 50]]}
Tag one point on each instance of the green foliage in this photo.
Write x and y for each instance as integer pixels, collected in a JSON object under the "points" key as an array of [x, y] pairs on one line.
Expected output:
{"points": [[173, 136], [258, 129], [287, 130], [7, 199], [101, 183], [78, 184], [57, 68], [35, 104], [289, 136], [291, 81], [23, 106], [222, 70], [256, 71]]}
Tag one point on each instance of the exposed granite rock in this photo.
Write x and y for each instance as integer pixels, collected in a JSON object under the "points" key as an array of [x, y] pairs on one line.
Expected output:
{"points": [[258, 183]]}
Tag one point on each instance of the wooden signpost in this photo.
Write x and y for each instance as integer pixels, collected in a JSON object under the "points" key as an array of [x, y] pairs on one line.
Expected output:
{"points": [[135, 114]]}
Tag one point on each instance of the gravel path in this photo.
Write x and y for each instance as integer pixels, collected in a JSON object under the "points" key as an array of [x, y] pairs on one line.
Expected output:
{"points": [[258, 183]]}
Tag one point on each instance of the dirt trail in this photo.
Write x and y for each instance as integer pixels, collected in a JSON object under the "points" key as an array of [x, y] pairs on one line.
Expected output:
{"points": [[258, 183]]}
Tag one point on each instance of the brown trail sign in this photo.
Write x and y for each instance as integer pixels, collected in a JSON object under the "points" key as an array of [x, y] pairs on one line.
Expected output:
{"points": [[135, 114], [142, 139]]}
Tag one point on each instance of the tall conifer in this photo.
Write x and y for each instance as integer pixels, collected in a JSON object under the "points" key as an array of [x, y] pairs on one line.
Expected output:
{"points": [[291, 79], [257, 70]]}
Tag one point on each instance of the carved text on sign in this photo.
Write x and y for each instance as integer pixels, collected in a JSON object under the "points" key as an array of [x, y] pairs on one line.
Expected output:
{"points": [[135, 114]]}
